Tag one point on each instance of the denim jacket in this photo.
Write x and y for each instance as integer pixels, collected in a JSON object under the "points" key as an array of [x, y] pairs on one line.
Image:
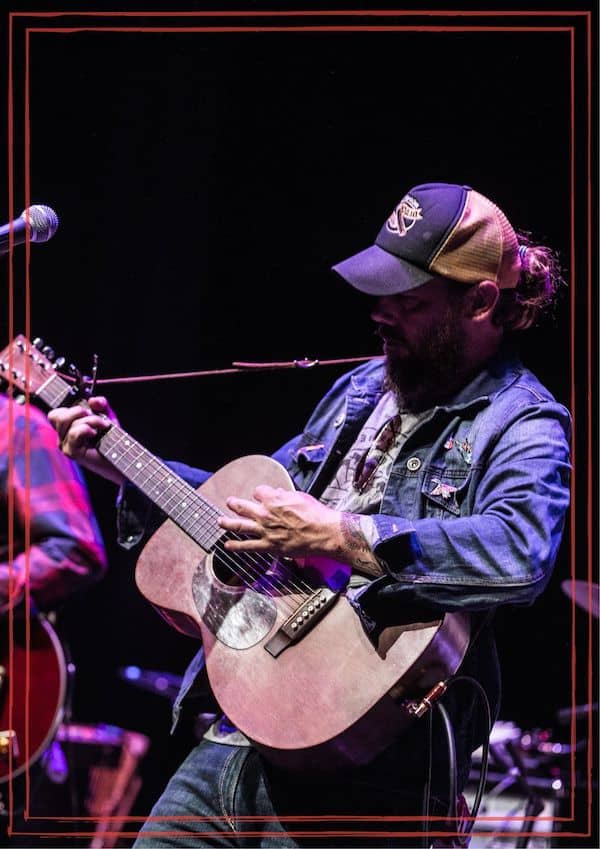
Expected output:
{"points": [[473, 511], [474, 508]]}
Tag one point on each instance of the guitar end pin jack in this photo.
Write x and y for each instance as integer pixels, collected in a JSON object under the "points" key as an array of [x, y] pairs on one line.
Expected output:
{"points": [[418, 709]]}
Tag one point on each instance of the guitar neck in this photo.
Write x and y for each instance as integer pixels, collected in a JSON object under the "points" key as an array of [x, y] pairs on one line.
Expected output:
{"points": [[181, 503]]}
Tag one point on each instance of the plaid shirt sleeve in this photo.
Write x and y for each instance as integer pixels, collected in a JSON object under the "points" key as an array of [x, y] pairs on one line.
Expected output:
{"points": [[56, 543]]}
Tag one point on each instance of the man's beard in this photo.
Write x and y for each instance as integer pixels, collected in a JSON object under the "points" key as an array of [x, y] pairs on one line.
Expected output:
{"points": [[433, 371]]}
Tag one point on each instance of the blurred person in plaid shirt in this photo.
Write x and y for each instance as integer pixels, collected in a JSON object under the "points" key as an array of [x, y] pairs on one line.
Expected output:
{"points": [[49, 542], [56, 543]]}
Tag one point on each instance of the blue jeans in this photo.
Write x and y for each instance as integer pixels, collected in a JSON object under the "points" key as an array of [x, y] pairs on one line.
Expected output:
{"points": [[225, 796]]}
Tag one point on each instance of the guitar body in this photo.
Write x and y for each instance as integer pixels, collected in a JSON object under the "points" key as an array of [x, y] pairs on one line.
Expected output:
{"points": [[333, 697], [288, 660], [36, 677]]}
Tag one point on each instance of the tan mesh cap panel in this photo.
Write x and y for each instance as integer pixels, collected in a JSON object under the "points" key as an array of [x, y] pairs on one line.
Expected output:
{"points": [[481, 246]]}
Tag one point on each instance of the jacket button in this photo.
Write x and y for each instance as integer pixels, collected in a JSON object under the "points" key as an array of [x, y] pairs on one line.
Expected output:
{"points": [[413, 464]]}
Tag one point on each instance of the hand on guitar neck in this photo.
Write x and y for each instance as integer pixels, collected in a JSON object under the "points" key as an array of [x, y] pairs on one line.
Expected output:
{"points": [[78, 430]]}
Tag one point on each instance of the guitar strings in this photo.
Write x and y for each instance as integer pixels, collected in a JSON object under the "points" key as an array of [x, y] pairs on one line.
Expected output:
{"points": [[261, 560], [236, 561], [249, 558], [233, 560], [277, 583], [247, 575], [179, 487]]}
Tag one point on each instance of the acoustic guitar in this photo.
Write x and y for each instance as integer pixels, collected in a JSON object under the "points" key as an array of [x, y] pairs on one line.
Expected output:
{"points": [[287, 657]]}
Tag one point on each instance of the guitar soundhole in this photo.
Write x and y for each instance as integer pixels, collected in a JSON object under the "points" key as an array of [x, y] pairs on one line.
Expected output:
{"points": [[258, 570]]}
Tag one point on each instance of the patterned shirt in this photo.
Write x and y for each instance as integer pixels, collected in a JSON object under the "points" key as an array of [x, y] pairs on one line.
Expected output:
{"points": [[344, 494], [45, 509]]}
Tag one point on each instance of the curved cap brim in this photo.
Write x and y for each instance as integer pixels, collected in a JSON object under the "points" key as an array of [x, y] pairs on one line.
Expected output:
{"points": [[378, 272]]}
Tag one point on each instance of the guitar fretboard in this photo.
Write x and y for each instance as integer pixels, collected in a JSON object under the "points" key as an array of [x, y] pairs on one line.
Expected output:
{"points": [[192, 513], [181, 503]]}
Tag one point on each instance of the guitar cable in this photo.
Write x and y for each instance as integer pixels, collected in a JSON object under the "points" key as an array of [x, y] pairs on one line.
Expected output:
{"points": [[484, 703], [431, 702], [451, 813]]}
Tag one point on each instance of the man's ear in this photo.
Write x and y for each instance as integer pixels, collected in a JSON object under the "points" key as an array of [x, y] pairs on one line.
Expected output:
{"points": [[482, 299]]}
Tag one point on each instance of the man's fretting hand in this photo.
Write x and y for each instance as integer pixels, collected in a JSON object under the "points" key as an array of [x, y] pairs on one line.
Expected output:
{"points": [[78, 429]]}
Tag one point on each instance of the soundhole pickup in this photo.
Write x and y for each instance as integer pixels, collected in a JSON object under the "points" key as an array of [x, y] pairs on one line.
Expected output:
{"points": [[302, 620]]}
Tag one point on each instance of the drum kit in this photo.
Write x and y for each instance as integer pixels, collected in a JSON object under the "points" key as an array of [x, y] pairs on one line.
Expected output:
{"points": [[49, 766], [528, 773]]}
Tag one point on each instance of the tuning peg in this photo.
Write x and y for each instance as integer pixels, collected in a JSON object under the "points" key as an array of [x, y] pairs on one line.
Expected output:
{"points": [[48, 352], [59, 362], [38, 343]]}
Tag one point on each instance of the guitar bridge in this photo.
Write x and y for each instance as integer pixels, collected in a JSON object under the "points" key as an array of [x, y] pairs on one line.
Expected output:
{"points": [[302, 620]]}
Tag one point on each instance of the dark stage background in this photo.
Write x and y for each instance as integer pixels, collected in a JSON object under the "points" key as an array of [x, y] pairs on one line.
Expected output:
{"points": [[205, 184]]}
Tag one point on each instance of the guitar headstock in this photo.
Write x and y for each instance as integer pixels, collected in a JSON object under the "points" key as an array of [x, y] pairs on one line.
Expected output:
{"points": [[31, 369]]}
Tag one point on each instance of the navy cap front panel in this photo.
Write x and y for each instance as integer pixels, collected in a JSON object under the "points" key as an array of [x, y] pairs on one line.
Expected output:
{"points": [[421, 222]]}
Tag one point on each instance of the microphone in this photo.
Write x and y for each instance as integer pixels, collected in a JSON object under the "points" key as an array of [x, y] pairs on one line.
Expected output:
{"points": [[42, 221]]}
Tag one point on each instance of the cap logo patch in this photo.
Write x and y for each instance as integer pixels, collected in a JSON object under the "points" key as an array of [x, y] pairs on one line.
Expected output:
{"points": [[404, 216]]}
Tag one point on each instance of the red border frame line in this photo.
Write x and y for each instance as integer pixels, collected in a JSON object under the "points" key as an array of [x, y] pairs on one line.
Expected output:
{"points": [[27, 526], [227, 29], [573, 540], [11, 455], [373, 13], [292, 29], [349, 28], [323, 834], [590, 515], [324, 28]]}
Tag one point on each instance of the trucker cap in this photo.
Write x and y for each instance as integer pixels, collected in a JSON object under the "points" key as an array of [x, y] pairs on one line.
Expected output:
{"points": [[437, 229]]}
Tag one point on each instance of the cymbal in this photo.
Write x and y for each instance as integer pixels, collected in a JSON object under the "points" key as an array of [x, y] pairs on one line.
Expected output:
{"points": [[585, 595]]}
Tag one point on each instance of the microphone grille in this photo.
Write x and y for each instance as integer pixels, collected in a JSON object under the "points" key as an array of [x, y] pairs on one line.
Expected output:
{"points": [[43, 222]]}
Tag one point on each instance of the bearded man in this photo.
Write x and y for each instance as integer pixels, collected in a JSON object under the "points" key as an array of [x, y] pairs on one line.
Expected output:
{"points": [[439, 477]]}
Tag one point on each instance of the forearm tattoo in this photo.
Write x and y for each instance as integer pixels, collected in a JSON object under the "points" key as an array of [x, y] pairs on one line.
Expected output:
{"points": [[356, 549]]}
